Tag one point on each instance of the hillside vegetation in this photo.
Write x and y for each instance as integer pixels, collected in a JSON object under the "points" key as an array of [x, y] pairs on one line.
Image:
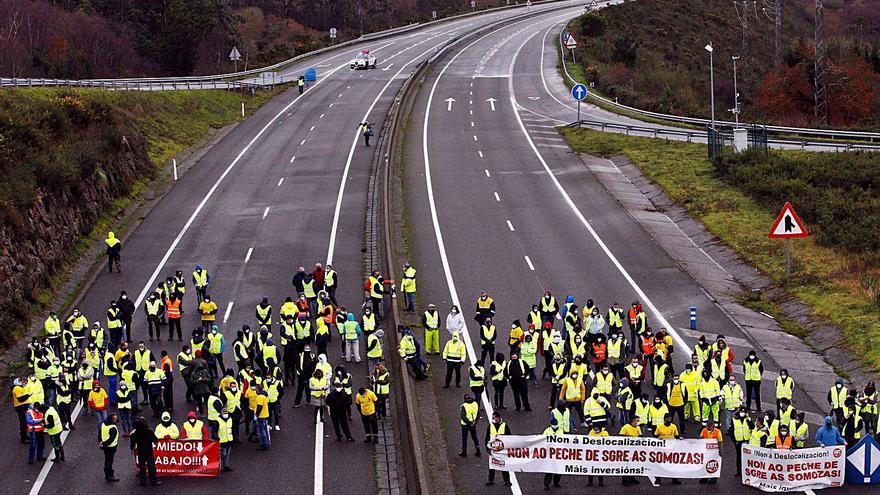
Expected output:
{"points": [[129, 38], [650, 54], [71, 161], [836, 270]]}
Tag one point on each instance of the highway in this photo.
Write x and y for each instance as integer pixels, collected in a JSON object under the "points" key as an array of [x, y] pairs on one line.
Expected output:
{"points": [[287, 187], [496, 201]]}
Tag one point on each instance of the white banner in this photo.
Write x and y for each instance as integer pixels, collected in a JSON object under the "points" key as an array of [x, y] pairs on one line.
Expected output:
{"points": [[606, 456], [774, 470]]}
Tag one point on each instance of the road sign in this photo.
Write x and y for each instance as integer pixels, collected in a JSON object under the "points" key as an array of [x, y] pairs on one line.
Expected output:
{"points": [[473, 4], [565, 36], [788, 225], [333, 32], [234, 55], [579, 92], [433, 14], [571, 43], [863, 462]]}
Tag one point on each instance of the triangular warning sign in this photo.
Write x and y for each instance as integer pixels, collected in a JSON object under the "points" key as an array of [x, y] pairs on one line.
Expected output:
{"points": [[787, 225], [571, 43]]}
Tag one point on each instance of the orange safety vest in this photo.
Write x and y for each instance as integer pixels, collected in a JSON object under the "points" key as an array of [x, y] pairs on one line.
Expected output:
{"points": [[330, 317], [633, 314], [172, 309], [599, 352], [648, 346], [167, 360], [783, 444], [36, 416]]}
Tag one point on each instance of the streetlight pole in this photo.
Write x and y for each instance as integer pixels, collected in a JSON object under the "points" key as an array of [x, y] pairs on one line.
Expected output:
{"points": [[735, 94], [712, 81]]}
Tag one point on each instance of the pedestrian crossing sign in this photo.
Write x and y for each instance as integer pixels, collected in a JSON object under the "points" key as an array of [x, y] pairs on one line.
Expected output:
{"points": [[788, 225]]}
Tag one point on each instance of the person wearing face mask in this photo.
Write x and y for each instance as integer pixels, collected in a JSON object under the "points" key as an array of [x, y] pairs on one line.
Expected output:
{"points": [[676, 398], [753, 371], [154, 309], [231, 397], [617, 353], [516, 337], [485, 308], [98, 402], [470, 415], [836, 397], [109, 435], [529, 355], [548, 307], [868, 400], [597, 408], [732, 395], [496, 427], [193, 428], [477, 379], [625, 402], [741, 432], [667, 430], [368, 320], [517, 374], [123, 407], [594, 325], [828, 435], [454, 353], [488, 335], [852, 425], [574, 391], [710, 394], [614, 319], [208, 311], [497, 370], [142, 358], [784, 386], [712, 433], [431, 324], [166, 429], [366, 402], [597, 430], [690, 379], [155, 380], [227, 439], [635, 373], [800, 431], [657, 412], [630, 429], [142, 439], [559, 370]]}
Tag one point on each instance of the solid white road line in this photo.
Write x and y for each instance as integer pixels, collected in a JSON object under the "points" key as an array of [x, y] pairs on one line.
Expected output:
{"points": [[266, 211], [510, 226], [529, 262], [47, 466], [664, 323], [292, 158], [322, 116], [354, 143], [312, 129], [280, 181], [497, 198], [438, 234], [247, 257], [228, 311], [302, 142]]}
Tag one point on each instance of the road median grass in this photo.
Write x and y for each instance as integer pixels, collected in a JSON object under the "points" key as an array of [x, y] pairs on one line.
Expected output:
{"points": [[841, 285]]}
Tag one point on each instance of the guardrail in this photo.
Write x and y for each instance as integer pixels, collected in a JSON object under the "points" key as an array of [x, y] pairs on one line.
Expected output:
{"points": [[696, 135], [205, 81], [775, 129], [135, 85]]}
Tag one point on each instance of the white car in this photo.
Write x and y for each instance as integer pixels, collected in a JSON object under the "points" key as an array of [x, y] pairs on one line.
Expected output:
{"points": [[363, 60]]}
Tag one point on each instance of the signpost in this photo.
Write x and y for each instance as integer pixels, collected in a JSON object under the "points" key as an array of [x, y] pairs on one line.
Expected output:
{"points": [[473, 4], [434, 15], [332, 35], [235, 56], [787, 226], [579, 92], [570, 43]]}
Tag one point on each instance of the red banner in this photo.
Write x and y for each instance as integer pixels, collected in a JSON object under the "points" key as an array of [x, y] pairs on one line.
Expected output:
{"points": [[186, 457]]}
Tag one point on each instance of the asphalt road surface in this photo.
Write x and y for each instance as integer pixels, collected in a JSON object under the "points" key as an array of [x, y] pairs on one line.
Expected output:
{"points": [[496, 201], [286, 187]]}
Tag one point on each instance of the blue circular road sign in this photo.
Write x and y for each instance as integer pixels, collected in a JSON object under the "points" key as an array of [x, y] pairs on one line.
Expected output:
{"points": [[579, 92]]}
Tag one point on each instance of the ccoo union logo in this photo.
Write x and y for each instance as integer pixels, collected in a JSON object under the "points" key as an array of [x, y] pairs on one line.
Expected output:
{"points": [[712, 466]]}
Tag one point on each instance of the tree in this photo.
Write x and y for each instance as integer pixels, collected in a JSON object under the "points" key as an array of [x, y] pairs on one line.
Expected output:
{"points": [[593, 24]]}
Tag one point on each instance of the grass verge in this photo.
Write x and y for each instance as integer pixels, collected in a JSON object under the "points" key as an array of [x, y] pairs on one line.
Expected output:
{"points": [[826, 279]]}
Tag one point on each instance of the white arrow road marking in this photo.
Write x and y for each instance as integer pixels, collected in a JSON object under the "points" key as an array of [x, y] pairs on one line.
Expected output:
{"points": [[492, 103], [534, 98], [388, 67], [449, 104]]}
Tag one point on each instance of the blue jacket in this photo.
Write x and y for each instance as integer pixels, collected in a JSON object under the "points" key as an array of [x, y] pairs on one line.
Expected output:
{"points": [[564, 309], [829, 435]]}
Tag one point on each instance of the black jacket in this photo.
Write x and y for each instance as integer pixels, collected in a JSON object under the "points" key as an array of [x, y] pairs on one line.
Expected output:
{"points": [[142, 438]]}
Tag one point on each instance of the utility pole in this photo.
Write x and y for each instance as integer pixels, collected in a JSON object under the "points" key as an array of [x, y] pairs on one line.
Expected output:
{"points": [[735, 94], [821, 100], [777, 33], [711, 82], [744, 21]]}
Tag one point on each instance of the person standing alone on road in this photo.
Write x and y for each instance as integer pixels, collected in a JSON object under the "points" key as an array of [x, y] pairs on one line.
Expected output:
{"points": [[114, 246], [367, 131], [142, 438], [109, 441]]}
